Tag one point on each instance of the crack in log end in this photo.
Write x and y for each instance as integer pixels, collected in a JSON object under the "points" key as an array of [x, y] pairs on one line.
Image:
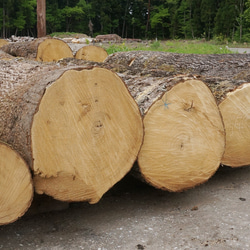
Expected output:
{"points": [[189, 108]]}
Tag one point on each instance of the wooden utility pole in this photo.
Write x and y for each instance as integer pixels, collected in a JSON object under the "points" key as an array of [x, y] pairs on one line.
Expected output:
{"points": [[41, 18]]}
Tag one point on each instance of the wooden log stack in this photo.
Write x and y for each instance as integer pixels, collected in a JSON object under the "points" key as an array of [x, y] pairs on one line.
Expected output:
{"points": [[166, 159], [79, 127]]}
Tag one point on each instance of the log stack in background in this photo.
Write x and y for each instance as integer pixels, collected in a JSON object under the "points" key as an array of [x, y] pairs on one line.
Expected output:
{"points": [[43, 49]]}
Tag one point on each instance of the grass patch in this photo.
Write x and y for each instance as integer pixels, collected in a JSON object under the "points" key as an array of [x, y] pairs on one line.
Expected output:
{"points": [[176, 46]]}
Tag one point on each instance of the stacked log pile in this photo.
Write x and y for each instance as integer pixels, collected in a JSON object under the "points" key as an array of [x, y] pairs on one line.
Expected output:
{"points": [[47, 49], [227, 76], [80, 126]]}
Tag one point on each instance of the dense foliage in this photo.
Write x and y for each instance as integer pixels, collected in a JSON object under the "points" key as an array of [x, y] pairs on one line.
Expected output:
{"points": [[209, 19]]}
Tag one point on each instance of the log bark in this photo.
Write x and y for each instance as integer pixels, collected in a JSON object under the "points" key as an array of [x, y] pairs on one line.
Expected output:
{"points": [[227, 76], [5, 56], [43, 49], [16, 186], [92, 53], [78, 128]]}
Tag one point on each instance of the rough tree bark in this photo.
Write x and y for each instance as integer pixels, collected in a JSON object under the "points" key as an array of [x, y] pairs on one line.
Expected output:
{"points": [[41, 18], [5, 56], [16, 186], [223, 74], [43, 49], [78, 128]]}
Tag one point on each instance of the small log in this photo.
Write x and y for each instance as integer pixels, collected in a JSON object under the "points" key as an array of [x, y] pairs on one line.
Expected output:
{"points": [[43, 49], [92, 53], [78, 128], [227, 76], [235, 110], [3, 42], [16, 187]]}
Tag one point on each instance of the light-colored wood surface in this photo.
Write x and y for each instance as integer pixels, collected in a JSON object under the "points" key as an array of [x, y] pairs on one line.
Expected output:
{"points": [[86, 135], [53, 50], [16, 188], [3, 42], [184, 138], [92, 53], [235, 110]]}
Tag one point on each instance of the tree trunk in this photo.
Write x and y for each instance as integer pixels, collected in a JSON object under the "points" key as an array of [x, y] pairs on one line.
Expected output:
{"points": [[16, 187], [41, 18], [92, 53], [42, 49], [183, 142], [78, 128]]}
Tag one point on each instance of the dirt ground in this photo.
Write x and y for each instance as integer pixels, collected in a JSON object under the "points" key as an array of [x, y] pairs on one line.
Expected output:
{"points": [[133, 215]]}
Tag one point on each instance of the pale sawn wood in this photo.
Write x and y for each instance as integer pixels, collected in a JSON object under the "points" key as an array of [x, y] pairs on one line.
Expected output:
{"points": [[92, 53], [86, 135], [235, 110], [184, 138], [16, 186], [3, 42]]}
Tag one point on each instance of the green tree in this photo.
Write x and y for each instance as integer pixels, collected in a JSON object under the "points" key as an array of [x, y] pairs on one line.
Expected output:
{"points": [[159, 18], [225, 19], [71, 14], [185, 16], [208, 12], [53, 16]]}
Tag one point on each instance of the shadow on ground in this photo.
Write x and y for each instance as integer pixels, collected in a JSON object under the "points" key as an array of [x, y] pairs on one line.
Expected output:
{"points": [[133, 215]]}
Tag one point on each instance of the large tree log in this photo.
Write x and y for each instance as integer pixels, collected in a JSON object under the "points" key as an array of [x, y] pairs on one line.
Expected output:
{"points": [[173, 155], [92, 53], [43, 49], [82, 126], [16, 187], [184, 138]]}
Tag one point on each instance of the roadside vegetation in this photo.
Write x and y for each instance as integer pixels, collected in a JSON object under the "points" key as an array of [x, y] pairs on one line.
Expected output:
{"points": [[175, 46]]}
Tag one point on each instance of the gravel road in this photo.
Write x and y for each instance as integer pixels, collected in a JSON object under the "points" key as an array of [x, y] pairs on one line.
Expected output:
{"points": [[133, 215]]}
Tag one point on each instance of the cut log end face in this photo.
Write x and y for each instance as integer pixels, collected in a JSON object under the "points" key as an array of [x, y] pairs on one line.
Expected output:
{"points": [[92, 53], [52, 50], [3, 42], [15, 185], [184, 138], [235, 110], [85, 136]]}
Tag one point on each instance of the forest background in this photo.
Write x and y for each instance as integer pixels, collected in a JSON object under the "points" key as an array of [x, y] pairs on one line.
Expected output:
{"points": [[223, 20]]}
